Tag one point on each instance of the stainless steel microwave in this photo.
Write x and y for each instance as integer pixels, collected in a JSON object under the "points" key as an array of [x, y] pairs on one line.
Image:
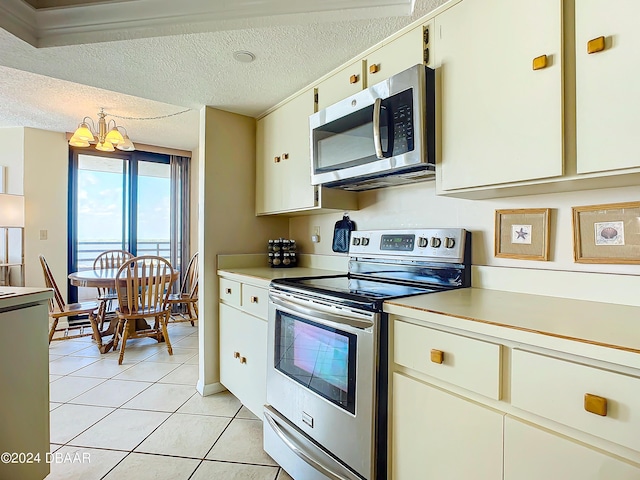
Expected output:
{"points": [[381, 136]]}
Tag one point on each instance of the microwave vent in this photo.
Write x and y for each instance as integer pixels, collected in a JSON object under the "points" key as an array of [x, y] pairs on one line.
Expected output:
{"points": [[384, 180]]}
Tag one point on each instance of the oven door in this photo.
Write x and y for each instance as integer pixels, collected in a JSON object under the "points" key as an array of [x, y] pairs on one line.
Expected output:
{"points": [[321, 377]]}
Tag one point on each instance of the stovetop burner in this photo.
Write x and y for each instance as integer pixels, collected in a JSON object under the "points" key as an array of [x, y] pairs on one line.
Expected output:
{"points": [[391, 264]]}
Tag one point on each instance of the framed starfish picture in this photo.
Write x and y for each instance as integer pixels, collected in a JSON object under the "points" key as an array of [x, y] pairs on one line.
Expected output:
{"points": [[522, 233]]}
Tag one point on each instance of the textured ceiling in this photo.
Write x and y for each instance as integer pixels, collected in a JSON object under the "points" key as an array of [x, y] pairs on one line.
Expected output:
{"points": [[156, 76]]}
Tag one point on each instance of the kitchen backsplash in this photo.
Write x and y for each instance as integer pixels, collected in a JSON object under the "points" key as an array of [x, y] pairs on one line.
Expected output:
{"points": [[417, 205]]}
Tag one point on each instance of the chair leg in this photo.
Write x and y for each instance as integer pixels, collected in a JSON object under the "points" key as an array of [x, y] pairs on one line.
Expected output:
{"points": [[102, 311], [164, 321], [96, 332], [117, 333], [125, 334], [52, 330]]}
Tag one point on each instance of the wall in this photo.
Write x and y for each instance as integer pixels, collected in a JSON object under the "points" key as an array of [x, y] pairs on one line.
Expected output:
{"points": [[417, 205], [46, 172], [227, 220]]}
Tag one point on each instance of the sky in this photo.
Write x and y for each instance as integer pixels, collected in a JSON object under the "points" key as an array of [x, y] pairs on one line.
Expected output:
{"points": [[100, 198]]}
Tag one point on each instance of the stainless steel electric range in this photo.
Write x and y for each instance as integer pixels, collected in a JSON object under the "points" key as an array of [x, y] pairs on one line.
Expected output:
{"points": [[327, 363]]}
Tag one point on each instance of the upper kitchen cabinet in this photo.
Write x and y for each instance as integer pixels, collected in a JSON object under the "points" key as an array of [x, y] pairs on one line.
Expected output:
{"points": [[392, 57], [283, 164], [399, 54], [500, 92], [607, 96], [340, 85]]}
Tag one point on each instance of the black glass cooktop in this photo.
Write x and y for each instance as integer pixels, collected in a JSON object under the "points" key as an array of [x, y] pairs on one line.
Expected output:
{"points": [[343, 288]]}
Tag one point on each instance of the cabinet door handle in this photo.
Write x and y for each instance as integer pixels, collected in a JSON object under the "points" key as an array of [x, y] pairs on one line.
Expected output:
{"points": [[375, 68], [285, 156], [353, 79], [236, 354], [540, 62], [276, 159], [437, 356], [227, 291], [243, 360], [254, 300], [595, 404], [595, 45]]}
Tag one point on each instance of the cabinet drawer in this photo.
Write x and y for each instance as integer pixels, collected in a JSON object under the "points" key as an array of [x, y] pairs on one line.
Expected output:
{"points": [[230, 292], [556, 389], [255, 300], [466, 362]]}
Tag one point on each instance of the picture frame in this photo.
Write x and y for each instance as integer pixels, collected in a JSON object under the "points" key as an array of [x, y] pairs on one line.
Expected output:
{"points": [[522, 233], [607, 233]]}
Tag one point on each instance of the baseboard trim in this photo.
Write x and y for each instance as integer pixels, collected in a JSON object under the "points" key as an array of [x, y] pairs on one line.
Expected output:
{"points": [[210, 389]]}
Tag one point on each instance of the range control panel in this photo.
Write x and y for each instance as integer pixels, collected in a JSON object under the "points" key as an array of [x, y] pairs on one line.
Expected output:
{"points": [[439, 244]]}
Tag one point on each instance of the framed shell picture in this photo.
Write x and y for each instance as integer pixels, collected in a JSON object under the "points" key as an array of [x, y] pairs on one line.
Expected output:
{"points": [[522, 233], [608, 233]]}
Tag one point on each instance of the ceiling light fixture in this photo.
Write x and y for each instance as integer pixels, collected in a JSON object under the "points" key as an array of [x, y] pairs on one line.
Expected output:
{"points": [[106, 136]]}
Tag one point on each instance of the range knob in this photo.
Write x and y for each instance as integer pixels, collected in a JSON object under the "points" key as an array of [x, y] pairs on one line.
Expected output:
{"points": [[356, 240], [365, 241], [449, 242], [422, 242], [435, 242]]}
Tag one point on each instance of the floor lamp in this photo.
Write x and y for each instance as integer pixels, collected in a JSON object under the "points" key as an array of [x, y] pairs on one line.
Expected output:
{"points": [[12, 216]]}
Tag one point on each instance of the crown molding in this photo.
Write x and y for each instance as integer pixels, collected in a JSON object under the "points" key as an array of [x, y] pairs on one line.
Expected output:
{"points": [[99, 22]]}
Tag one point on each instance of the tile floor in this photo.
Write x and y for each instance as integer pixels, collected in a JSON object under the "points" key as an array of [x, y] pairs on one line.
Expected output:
{"points": [[144, 419]]}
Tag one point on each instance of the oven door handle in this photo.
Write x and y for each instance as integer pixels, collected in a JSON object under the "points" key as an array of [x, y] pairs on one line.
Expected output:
{"points": [[320, 315], [289, 442]]}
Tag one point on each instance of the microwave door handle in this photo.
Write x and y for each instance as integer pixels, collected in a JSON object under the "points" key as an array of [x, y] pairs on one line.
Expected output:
{"points": [[377, 141]]}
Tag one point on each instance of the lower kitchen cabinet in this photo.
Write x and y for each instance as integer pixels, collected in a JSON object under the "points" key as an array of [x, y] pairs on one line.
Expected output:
{"points": [[531, 453], [243, 355], [436, 435]]}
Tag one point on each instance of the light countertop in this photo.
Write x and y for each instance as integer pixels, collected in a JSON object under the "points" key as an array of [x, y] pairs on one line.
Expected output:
{"points": [[599, 324], [261, 276], [10, 297]]}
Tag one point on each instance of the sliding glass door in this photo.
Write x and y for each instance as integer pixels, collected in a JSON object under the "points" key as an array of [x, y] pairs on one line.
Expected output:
{"points": [[118, 201]]}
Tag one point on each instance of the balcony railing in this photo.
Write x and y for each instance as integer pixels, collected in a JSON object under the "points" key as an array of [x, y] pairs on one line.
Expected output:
{"points": [[88, 251]]}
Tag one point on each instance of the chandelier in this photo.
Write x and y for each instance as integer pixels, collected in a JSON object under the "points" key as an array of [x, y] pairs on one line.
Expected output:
{"points": [[106, 136]]}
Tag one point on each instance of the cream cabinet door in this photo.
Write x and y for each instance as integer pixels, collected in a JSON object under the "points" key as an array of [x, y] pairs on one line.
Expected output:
{"points": [[533, 454], [268, 165], [340, 85], [396, 56], [243, 357], [297, 191], [607, 93], [439, 435], [501, 121]]}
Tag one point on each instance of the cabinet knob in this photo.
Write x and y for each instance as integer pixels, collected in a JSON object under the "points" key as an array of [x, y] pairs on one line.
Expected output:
{"points": [[375, 68], [353, 79], [595, 404], [276, 159], [285, 156], [236, 354], [254, 300], [243, 360], [437, 356], [540, 62], [595, 45], [227, 291]]}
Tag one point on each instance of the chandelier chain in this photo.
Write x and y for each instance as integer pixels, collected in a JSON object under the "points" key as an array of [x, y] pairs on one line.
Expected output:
{"points": [[147, 118]]}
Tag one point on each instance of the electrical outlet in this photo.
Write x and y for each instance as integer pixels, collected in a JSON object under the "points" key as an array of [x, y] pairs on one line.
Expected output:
{"points": [[44, 234]]}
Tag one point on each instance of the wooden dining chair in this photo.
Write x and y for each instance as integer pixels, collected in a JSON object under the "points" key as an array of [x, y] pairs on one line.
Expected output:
{"points": [[112, 259], [143, 284], [187, 298], [58, 309]]}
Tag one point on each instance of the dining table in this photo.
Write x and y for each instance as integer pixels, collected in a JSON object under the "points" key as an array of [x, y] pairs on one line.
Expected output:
{"points": [[106, 278]]}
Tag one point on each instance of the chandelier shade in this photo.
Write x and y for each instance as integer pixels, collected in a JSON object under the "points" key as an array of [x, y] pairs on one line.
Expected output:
{"points": [[106, 136]]}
